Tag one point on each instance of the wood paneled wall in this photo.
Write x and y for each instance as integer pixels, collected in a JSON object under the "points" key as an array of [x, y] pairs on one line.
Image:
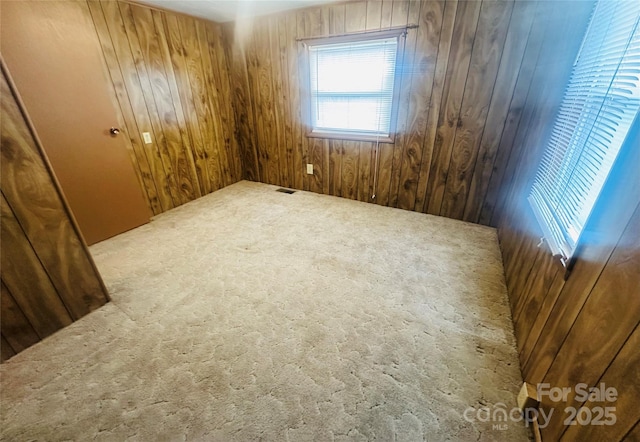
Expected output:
{"points": [[171, 79], [481, 85], [48, 277], [467, 71], [584, 329]]}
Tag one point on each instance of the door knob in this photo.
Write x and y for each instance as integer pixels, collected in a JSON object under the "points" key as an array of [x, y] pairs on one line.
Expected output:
{"points": [[114, 131]]}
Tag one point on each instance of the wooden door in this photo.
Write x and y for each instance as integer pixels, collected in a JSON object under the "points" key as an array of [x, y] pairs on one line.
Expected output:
{"points": [[53, 55]]}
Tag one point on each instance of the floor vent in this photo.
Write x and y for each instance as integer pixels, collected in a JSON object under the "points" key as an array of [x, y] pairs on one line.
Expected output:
{"points": [[289, 191]]}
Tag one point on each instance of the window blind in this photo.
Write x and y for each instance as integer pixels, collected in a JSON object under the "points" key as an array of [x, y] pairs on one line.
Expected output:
{"points": [[352, 86], [598, 108]]}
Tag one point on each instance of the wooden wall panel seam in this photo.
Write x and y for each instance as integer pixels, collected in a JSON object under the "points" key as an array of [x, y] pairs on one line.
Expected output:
{"points": [[552, 85], [584, 329], [458, 122], [615, 215], [407, 173], [221, 65], [37, 297], [402, 19], [483, 172], [6, 290], [491, 210], [180, 95], [176, 48], [149, 104], [213, 100], [636, 329], [409, 54], [6, 351], [214, 96], [244, 146], [530, 341], [139, 121], [287, 178], [431, 20], [458, 177], [16, 329], [51, 175], [142, 170], [46, 271], [423, 190], [159, 94], [633, 433], [158, 23], [587, 296], [461, 49]]}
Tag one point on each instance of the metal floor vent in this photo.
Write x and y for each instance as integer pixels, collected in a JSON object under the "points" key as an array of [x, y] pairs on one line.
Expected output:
{"points": [[289, 191]]}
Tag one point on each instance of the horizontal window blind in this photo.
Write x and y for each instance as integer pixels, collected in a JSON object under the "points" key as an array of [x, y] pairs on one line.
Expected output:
{"points": [[598, 108], [352, 86]]}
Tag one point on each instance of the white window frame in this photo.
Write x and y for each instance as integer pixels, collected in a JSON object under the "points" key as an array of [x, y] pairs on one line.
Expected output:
{"points": [[313, 132]]}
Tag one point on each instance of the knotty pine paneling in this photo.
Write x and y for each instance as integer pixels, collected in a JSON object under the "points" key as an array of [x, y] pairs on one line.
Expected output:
{"points": [[582, 329], [466, 74], [171, 78], [48, 277]]}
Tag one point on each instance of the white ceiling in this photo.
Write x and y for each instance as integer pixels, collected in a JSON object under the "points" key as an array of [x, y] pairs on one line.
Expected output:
{"points": [[230, 10]]}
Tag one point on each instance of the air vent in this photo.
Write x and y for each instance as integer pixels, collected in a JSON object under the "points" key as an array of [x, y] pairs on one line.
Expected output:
{"points": [[289, 191]]}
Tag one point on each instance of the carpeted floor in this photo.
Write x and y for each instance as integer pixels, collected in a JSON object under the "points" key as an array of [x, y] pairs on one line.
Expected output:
{"points": [[251, 314]]}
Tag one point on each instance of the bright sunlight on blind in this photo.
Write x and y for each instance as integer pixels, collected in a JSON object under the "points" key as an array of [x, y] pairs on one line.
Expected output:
{"points": [[352, 86], [598, 108]]}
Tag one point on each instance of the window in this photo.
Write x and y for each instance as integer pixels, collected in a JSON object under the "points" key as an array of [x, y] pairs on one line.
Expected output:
{"points": [[353, 85], [598, 108]]}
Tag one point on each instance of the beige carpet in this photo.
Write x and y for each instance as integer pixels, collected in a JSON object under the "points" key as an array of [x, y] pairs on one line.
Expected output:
{"points": [[256, 315]]}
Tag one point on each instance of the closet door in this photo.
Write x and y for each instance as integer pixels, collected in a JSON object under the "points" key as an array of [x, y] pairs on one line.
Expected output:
{"points": [[53, 55]]}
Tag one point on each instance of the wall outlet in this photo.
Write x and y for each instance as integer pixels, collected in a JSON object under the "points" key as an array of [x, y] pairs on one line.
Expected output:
{"points": [[309, 169], [147, 137]]}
